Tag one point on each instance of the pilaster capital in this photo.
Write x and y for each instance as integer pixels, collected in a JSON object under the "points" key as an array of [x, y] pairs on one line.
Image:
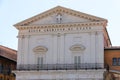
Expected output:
{"points": [[92, 33], [20, 36], [27, 36], [23, 36], [99, 32], [59, 34]]}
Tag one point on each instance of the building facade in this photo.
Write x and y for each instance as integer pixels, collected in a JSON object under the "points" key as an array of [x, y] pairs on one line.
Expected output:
{"points": [[8, 62], [112, 61], [61, 44]]}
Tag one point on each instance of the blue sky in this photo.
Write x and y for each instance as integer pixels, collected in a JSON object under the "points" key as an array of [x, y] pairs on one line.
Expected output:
{"points": [[14, 11]]}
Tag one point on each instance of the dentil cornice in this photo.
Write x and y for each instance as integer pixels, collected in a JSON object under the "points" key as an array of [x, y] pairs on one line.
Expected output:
{"points": [[101, 23]]}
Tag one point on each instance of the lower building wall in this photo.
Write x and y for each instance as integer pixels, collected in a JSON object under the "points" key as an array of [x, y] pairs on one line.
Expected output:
{"points": [[112, 76], [7, 77], [109, 54], [60, 75]]}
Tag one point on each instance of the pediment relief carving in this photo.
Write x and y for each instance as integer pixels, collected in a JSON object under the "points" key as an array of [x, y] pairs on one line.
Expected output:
{"points": [[77, 47], [40, 49], [59, 18]]}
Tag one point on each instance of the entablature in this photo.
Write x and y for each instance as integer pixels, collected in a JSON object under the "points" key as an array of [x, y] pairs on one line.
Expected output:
{"points": [[64, 28], [61, 25]]}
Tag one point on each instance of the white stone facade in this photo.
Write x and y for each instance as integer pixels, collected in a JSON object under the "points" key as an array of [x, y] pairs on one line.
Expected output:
{"points": [[61, 44], [61, 75]]}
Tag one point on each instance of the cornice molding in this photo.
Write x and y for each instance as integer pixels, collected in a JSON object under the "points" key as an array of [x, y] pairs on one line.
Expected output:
{"points": [[101, 23]]}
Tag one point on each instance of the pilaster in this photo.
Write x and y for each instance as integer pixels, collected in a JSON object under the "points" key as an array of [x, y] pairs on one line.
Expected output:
{"points": [[58, 47], [26, 49], [62, 47], [93, 47], [54, 48], [100, 47], [20, 58]]}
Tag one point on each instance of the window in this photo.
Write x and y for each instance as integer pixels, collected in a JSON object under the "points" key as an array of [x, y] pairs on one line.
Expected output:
{"points": [[40, 62], [1, 68], [77, 61], [114, 61], [119, 61]]}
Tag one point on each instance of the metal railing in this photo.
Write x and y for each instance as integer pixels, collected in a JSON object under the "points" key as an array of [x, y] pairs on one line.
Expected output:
{"points": [[60, 66], [68, 79]]}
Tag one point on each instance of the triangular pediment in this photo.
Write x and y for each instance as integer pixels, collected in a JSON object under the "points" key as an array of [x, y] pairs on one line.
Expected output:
{"points": [[59, 19], [60, 15]]}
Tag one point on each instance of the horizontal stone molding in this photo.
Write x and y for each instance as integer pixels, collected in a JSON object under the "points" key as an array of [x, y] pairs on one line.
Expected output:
{"points": [[60, 25]]}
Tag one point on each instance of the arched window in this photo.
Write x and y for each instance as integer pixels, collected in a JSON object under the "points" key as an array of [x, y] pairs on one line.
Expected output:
{"points": [[40, 52], [77, 50]]}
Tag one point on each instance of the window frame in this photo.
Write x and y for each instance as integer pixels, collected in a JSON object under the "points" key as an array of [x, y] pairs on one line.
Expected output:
{"points": [[119, 61], [114, 61]]}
